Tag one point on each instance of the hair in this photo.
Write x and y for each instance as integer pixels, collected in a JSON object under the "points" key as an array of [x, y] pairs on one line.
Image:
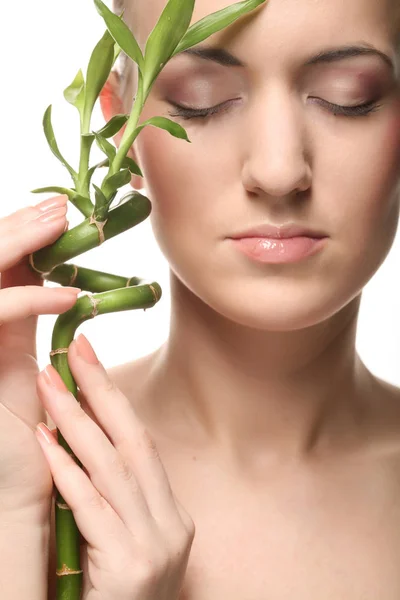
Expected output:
{"points": [[126, 69]]}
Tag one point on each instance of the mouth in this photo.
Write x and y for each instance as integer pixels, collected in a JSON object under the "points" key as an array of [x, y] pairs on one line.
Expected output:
{"points": [[278, 251], [282, 232]]}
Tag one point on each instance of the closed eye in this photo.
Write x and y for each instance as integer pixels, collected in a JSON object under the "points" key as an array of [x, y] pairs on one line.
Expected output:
{"points": [[359, 110], [199, 113]]}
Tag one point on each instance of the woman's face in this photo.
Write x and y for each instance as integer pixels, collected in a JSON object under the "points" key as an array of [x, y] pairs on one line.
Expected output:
{"points": [[277, 154]]}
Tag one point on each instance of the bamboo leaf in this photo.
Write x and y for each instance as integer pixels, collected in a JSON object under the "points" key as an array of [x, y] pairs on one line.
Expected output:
{"points": [[100, 65], [75, 93], [134, 168], [162, 41], [163, 123], [125, 198], [118, 180], [54, 188], [101, 200], [113, 126], [117, 52], [215, 22], [109, 150], [49, 133], [121, 33]]}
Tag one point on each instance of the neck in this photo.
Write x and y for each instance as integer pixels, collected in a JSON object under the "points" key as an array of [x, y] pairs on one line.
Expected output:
{"points": [[260, 393]]}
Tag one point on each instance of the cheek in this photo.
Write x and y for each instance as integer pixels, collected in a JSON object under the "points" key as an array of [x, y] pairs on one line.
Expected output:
{"points": [[361, 172], [181, 178]]}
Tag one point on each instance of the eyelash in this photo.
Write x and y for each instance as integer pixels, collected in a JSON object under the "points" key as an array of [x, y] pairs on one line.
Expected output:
{"points": [[360, 110]]}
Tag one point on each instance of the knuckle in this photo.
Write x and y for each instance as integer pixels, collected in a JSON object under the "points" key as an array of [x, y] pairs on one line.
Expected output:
{"points": [[109, 385], [123, 469], [190, 528], [149, 444], [97, 501], [184, 541]]}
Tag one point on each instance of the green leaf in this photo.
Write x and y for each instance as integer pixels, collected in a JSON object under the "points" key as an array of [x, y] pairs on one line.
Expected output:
{"points": [[54, 188], [117, 52], [106, 147], [163, 123], [130, 164], [125, 198], [118, 179], [121, 33], [113, 126], [162, 41], [75, 93], [101, 200], [100, 65], [215, 22], [49, 133]]}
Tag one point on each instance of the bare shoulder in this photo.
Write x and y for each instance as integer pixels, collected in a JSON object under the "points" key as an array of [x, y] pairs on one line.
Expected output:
{"points": [[384, 425]]}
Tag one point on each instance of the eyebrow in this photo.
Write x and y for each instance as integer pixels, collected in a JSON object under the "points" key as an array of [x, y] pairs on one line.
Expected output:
{"points": [[226, 59]]}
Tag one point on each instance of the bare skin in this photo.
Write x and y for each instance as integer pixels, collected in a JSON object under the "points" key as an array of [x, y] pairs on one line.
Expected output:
{"points": [[322, 527], [280, 443]]}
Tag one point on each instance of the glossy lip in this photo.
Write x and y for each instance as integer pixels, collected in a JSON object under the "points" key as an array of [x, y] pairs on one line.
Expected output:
{"points": [[274, 251], [288, 230]]}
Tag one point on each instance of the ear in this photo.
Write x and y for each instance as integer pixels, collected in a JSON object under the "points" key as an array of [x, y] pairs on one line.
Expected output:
{"points": [[111, 104]]}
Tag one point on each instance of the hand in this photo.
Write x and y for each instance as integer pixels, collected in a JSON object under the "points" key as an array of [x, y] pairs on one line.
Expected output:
{"points": [[137, 533], [25, 478]]}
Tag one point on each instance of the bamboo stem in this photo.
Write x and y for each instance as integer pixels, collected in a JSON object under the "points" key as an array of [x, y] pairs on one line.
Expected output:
{"points": [[114, 293], [69, 573]]}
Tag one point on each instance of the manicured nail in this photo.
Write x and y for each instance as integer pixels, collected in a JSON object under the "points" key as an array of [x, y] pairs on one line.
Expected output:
{"points": [[45, 434], [51, 203], [53, 379], [52, 215], [85, 350]]}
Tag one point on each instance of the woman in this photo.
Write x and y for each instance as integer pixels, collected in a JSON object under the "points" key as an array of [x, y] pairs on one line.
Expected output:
{"points": [[283, 448]]}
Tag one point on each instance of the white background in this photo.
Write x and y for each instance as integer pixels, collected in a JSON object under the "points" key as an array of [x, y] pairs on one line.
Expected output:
{"points": [[43, 44]]}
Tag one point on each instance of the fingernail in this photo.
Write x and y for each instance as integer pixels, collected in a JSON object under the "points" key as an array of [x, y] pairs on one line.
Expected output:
{"points": [[52, 215], [45, 433], [85, 350], [53, 379], [51, 203], [70, 290]]}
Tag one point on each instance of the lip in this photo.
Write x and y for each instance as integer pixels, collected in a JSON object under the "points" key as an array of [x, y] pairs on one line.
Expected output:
{"points": [[288, 230], [274, 251]]}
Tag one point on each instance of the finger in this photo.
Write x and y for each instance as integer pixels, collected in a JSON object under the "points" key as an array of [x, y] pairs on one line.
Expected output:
{"points": [[118, 419], [23, 302], [24, 232], [109, 472], [96, 520]]}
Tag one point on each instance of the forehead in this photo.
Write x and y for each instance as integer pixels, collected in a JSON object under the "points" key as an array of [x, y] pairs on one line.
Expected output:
{"points": [[281, 21]]}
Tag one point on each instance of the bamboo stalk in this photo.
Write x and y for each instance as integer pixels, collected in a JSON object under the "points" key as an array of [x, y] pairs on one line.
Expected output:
{"points": [[115, 294]]}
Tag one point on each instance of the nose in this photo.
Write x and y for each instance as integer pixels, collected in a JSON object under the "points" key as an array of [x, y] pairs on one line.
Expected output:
{"points": [[275, 146]]}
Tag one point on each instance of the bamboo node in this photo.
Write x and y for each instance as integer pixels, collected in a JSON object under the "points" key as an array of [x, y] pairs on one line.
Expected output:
{"points": [[63, 506], [74, 275], [100, 227], [67, 571], [59, 351], [43, 274], [154, 293], [95, 303]]}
